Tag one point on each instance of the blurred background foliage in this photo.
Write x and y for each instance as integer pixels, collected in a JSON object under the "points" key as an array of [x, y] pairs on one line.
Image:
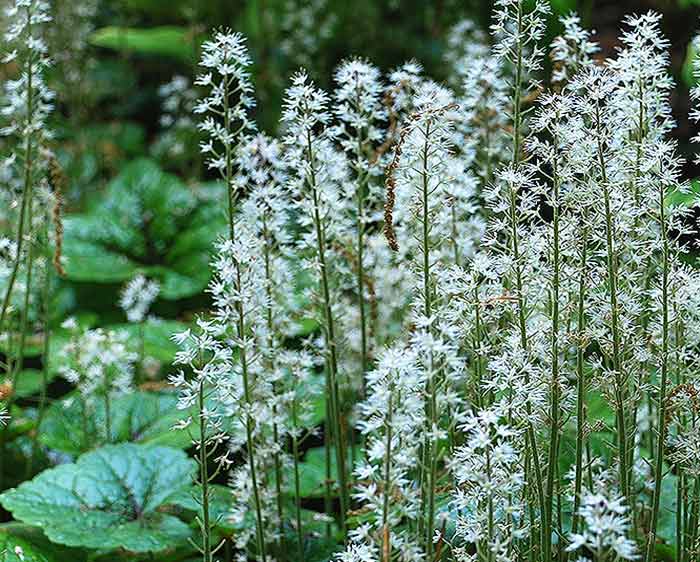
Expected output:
{"points": [[113, 56], [126, 137]]}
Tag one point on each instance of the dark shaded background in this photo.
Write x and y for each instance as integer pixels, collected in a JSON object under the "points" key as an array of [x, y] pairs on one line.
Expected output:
{"points": [[386, 32]]}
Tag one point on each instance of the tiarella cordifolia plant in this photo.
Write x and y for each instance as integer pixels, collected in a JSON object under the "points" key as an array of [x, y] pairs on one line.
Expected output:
{"points": [[360, 131], [319, 173], [225, 109], [478, 296], [203, 363], [577, 278], [489, 482], [576, 291], [26, 104], [389, 419], [135, 300], [606, 528], [101, 366]]}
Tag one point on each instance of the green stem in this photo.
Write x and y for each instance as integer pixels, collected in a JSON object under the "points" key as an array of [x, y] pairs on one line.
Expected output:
{"points": [[45, 358], [330, 338], [27, 188], [271, 367], [680, 515], [23, 328], [386, 532], [240, 328], [297, 483], [108, 414], [659, 459], [207, 555], [612, 278], [513, 210], [491, 523], [580, 382], [430, 446], [554, 412], [247, 396], [361, 263], [693, 526]]}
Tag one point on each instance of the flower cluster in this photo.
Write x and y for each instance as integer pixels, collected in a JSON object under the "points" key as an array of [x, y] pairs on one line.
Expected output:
{"points": [[137, 297]]}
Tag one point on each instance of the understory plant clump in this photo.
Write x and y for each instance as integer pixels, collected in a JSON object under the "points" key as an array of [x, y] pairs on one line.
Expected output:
{"points": [[446, 321]]}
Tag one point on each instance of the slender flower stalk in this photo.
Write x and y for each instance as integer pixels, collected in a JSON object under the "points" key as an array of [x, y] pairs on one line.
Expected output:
{"points": [[581, 386], [420, 167], [666, 178], [319, 168], [519, 32], [227, 58], [27, 107], [612, 270], [360, 112]]}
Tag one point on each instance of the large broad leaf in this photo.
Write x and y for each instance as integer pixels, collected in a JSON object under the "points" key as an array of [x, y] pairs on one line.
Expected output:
{"points": [[110, 498], [144, 417], [31, 381], [167, 41], [148, 222]]}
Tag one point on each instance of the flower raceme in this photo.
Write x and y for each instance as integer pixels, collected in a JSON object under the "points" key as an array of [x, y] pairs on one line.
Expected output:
{"points": [[530, 272]]}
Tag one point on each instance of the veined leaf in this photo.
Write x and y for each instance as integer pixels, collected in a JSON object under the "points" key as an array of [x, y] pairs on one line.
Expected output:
{"points": [[139, 227], [110, 498], [144, 417]]}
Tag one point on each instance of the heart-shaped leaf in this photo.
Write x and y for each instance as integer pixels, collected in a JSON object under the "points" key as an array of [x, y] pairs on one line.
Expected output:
{"points": [[144, 417], [139, 226], [110, 498]]}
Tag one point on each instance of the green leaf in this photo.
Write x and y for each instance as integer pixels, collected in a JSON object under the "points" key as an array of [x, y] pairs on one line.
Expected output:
{"points": [[31, 381], [110, 498], [166, 41], [90, 261], [149, 222], [144, 417], [157, 342], [36, 537], [312, 473], [688, 71], [689, 197]]}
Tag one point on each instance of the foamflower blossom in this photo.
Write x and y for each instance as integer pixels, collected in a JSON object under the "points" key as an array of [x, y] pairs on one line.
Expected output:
{"points": [[225, 109], [606, 528], [137, 297]]}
